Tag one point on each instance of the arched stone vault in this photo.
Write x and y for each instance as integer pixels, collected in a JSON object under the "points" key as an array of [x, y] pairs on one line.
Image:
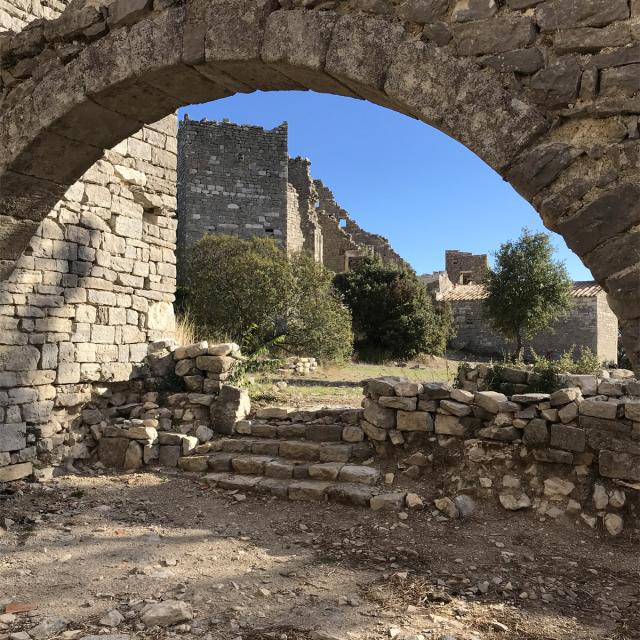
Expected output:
{"points": [[545, 91]]}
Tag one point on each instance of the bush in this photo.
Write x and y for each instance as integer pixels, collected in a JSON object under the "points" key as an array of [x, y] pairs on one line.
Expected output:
{"points": [[251, 291], [547, 373], [393, 315]]}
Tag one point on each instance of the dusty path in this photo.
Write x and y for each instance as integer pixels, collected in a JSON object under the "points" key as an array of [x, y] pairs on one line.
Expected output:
{"points": [[259, 568]]}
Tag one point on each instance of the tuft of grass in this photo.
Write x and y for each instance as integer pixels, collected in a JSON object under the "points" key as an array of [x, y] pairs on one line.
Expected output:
{"points": [[185, 330]]}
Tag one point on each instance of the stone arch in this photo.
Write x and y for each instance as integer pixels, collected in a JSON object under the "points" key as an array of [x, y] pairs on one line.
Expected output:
{"points": [[550, 117]]}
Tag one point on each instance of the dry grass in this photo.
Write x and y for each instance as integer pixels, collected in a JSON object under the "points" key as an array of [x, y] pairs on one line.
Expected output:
{"points": [[187, 332], [338, 385]]}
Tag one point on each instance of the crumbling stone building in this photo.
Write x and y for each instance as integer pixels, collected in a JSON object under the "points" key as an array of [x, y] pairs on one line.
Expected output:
{"points": [[239, 179], [590, 323]]}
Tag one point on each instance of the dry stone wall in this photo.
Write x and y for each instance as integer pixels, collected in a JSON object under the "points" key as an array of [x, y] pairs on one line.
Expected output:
{"points": [[93, 288], [147, 423], [573, 453]]}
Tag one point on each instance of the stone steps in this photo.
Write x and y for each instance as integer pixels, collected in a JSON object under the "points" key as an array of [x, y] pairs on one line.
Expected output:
{"points": [[293, 449], [353, 494], [281, 468], [313, 432]]}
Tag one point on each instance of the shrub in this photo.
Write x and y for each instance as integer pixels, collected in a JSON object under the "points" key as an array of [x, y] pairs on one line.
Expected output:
{"points": [[251, 291], [393, 315]]}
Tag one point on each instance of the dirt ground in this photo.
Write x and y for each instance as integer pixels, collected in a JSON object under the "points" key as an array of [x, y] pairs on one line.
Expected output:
{"points": [[258, 568]]}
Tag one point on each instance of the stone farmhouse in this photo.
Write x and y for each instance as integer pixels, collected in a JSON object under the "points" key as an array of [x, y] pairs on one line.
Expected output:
{"points": [[590, 323], [239, 179]]}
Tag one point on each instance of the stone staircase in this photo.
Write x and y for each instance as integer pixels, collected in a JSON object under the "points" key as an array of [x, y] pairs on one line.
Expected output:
{"points": [[295, 461]]}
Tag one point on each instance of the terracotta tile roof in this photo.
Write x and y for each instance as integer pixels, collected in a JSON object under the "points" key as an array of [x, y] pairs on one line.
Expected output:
{"points": [[465, 292]]}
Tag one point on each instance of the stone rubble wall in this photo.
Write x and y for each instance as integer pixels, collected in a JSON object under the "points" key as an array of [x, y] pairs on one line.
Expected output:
{"points": [[509, 380], [94, 287], [571, 452], [183, 400]]}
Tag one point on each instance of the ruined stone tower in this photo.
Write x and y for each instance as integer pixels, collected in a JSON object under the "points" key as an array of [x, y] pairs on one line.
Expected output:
{"points": [[239, 179]]}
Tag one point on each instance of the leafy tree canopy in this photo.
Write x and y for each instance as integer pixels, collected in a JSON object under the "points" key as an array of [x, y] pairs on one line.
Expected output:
{"points": [[393, 315], [252, 292], [527, 289]]}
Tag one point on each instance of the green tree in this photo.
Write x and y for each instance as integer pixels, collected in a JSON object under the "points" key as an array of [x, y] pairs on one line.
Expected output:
{"points": [[250, 291], [528, 290], [393, 315]]}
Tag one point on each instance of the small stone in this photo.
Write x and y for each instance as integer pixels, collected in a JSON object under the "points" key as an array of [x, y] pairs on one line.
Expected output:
{"points": [[166, 613], [448, 507], [600, 497], [413, 501], [613, 524], [112, 618], [465, 505], [617, 498], [48, 628], [514, 501], [558, 487]]}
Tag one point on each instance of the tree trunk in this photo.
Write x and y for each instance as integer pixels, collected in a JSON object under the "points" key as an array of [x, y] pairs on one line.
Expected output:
{"points": [[518, 354]]}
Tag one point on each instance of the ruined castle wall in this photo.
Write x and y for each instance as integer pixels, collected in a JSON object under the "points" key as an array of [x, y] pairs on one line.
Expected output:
{"points": [[365, 240], [295, 236], [300, 179], [232, 179], [336, 244], [95, 285]]}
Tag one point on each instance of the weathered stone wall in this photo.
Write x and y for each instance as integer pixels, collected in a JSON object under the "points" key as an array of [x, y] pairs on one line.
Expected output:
{"points": [[295, 235], [563, 454], [94, 287], [590, 323], [472, 266], [232, 179], [145, 423], [300, 179]]}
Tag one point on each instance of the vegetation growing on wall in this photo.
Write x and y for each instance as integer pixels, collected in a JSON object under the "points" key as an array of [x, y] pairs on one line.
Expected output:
{"points": [[393, 315], [252, 292], [527, 289]]}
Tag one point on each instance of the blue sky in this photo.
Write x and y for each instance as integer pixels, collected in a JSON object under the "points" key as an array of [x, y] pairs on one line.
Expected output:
{"points": [[396, 176]]}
